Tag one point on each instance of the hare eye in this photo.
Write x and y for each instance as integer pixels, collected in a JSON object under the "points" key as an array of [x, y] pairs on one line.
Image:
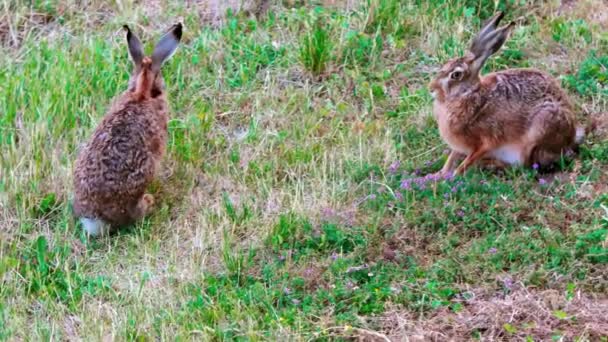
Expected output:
{"points": [[456, 75]]}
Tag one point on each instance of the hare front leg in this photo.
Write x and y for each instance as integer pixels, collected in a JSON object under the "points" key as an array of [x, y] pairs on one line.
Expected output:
{"points": [[470, 159], [448, 167]]}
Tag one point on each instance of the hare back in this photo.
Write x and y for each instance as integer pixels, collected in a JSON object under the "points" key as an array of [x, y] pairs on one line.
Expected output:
{"points": [[115, 167], [508, 105], [516, 92]]}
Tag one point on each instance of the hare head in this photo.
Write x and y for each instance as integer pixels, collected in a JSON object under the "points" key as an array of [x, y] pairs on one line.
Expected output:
{"points": [[146, 80], [461, 75]]}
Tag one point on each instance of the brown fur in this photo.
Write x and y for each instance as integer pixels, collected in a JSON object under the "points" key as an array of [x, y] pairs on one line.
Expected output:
{"points": [[118, 163], [523, 109]]}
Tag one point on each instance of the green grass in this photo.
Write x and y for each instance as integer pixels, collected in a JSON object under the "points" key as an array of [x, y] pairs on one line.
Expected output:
{"points": [[292, 203]]}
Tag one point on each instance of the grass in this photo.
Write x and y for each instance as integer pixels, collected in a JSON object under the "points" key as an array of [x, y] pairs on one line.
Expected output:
{"points": [[293, 202]]}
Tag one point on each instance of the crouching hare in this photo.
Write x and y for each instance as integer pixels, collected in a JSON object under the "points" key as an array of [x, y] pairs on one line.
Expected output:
{"points": [[114, 168], [514, 116]]}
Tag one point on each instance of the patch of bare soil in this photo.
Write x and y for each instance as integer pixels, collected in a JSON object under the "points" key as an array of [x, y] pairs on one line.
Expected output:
{"points": [[599, 126], [213, 11], [593, 11], [18, 20], [524, 313]]}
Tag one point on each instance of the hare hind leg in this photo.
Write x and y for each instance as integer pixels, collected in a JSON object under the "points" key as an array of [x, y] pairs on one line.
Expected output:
{"points": [[491, 162], [544, 158], [143, 207], [552, 134]]}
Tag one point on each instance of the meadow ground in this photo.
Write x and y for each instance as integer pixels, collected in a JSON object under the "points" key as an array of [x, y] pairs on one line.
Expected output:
{"points": [[284, 210]]}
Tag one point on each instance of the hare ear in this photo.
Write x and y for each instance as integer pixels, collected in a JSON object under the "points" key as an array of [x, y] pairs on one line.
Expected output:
{"points": [[489, 41], [135, 48], [488, 27], [166, 46]]}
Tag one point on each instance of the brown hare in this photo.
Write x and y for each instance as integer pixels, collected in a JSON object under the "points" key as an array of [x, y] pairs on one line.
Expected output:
{"points": [[514, 116], [114, 168]]}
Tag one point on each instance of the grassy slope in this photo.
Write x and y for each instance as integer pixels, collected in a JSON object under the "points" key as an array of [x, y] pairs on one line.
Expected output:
{"points": [[283, 210]]}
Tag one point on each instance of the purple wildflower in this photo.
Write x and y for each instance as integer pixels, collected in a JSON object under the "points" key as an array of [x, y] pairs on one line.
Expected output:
{"points": [[405, 184], [392, 169], [542, 181], [448, 175], [460, 213], [483, 182], [334, 256], [454, 189], [417, 172], [371, 197], [446, 195], [492, 250], [398, 196], [535, 166], [328, 213], [281, 258], [287, 290], [428, 163], [508, 283]]}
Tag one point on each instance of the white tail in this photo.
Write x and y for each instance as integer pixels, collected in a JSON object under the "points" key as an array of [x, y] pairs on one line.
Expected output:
{"points": [[579, 137], [94, 227]]}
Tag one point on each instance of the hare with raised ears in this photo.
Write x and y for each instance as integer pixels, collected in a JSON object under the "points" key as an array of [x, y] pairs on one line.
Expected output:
{"points": [[514, 116], [114, 168]]}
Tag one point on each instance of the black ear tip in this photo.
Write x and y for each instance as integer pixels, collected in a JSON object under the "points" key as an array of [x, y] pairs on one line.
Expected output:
{"points": [[500, 16], [177, 30], [128, 30]]}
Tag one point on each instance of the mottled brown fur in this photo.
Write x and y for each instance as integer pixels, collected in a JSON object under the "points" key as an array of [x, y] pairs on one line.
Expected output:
{"points": [[521, 110], [118, 163]]}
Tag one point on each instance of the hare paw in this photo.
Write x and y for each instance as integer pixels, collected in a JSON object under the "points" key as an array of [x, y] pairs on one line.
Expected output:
{"points": [[146, 202]]}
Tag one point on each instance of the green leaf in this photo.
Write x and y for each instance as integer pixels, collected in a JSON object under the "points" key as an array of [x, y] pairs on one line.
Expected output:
{"points": [[509, 328], [560, 314], [469, 11], [41, 250]]}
